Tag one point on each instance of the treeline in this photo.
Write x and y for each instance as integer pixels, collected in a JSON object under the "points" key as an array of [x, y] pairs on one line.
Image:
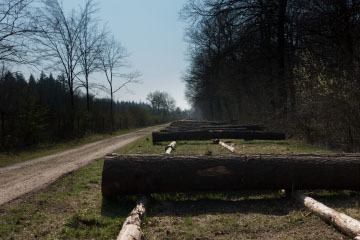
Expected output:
{"points": [[39, 110], [292, 64]]}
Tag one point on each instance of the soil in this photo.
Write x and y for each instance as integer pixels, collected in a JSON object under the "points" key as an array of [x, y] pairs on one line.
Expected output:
{"points": [[19, 179]]}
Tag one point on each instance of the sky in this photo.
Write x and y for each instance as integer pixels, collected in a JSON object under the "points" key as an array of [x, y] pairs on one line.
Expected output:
{"points": [[152, 32]]}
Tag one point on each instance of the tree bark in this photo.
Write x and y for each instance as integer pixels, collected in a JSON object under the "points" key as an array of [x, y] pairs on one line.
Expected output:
{"points": [[343, 222], [213, 134], [130, 174]]}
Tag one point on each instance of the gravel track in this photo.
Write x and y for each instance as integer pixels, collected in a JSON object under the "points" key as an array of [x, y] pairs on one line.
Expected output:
{"points": [[22, 178]]}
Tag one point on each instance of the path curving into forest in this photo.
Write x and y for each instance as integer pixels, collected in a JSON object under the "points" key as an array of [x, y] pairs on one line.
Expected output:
{"points": [[22, 178]]}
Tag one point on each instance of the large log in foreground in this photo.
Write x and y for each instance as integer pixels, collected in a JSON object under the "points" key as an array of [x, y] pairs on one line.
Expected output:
{"points": [[212, 134], [129, 174]]}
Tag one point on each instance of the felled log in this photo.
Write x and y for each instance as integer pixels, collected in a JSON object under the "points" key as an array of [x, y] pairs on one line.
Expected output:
{"points": [[127, 174], [131, 227], [170, 147], [343, 222], [194, 122], [184, 129], [212, 134], [193, 125]]}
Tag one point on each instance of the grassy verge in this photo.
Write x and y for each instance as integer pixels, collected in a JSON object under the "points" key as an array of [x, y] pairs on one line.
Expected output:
{"points": [[16, 156], [73, 207]]}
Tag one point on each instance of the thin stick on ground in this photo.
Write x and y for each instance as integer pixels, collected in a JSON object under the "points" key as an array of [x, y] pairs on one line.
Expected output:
{"points": [[131, 228], [170, 147], [230, 148], [343, 222]]}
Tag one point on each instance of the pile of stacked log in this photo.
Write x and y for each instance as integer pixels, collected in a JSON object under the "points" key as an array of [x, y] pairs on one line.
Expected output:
{"points": [[206, 130], [144, 174], [159, 173]]}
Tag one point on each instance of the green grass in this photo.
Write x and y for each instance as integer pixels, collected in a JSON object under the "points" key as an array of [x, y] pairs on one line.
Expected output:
{"points": [[73, 208], [17, 156], [145, 146]]}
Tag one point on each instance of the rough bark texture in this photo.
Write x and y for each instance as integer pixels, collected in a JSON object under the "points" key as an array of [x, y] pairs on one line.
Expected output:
{"points": [[126, 174], [131, 228], [212, 134], [340, 220], [170, 147]]}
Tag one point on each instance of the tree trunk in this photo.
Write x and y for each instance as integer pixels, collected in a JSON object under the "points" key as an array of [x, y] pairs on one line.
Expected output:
{"points": [[111, 112], [87, 96], [2, 128], [282, 84], [132, 174], [212, 134]]}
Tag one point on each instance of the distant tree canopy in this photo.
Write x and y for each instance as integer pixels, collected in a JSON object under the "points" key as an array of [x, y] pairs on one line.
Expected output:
{"points": [[161, 102], [291, 63]]}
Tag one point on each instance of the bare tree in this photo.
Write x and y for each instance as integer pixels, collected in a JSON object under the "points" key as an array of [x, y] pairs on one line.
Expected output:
{"points": [[15, 25], [89, 44], [59, 38], [113, 57]]}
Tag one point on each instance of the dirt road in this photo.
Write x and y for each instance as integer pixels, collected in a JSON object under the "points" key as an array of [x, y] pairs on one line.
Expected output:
{"points": [[19, 179]]}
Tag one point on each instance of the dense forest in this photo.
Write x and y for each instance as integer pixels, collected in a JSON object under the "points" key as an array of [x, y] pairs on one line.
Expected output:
{"points": [[75, 45], [39, 110], [291, 64]]}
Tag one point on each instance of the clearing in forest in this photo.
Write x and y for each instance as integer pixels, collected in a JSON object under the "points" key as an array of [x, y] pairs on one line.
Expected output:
{"points": [[73, 208]]}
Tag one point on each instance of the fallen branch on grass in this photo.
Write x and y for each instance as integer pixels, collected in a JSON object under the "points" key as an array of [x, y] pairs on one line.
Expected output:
{"points": [[170, 147], [131, 228], [230, 148], [343, 222]]}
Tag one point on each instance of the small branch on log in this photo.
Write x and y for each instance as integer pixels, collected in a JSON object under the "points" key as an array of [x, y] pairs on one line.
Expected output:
{"points": [[131, 228], [170, 147], [343, 222]]}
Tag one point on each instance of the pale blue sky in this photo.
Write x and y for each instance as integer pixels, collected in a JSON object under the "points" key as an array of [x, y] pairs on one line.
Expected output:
{"points": [[152, 32]]}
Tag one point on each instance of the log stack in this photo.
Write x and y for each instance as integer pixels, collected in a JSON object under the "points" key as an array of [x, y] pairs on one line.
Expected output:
{"points": [[206, 130], [133, 174]]}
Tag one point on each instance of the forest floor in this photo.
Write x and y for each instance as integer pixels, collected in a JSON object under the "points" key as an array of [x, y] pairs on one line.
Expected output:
{"points": [[73, 208], [21, 178]]}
